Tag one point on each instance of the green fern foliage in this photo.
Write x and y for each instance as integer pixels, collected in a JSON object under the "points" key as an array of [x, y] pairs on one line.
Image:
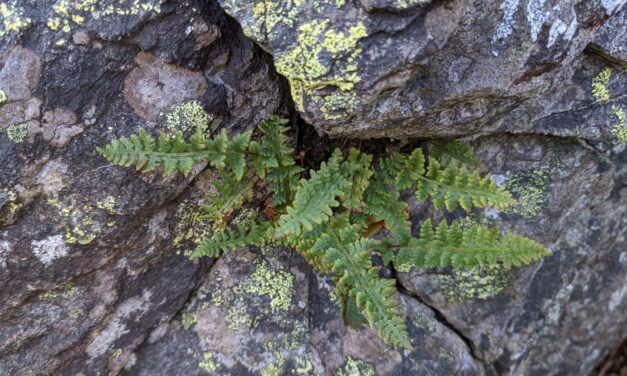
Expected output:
{"points": [[231, 239], [449, 245], [342, 213]]}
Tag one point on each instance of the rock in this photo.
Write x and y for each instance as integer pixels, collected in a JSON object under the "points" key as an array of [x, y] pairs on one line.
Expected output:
{"points": [[92, 257], [433, 68], [87, 260]]}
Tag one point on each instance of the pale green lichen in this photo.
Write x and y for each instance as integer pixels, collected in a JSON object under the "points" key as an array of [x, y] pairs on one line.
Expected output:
{"points": [[303, 366], [304, 67], [425, 323], [3, 97], [66, 290], [619, 129], [17, 132], [356, 368], [117, 353], [80, 228], [208, 363], [70, 14], [188, 319], [193, 225], [599, 85], [9, 198], [186, 117], [108, 204], [530, 189], [321, 65], [479, 282], [12, 21], [276, 285], [271, 370]]}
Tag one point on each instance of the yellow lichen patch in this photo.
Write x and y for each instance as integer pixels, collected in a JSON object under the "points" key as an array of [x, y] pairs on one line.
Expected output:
{"points": [[3, 96], [265, 16], [208, 363], [188, 319], [69, 14], [599, 85], [12, 20], [356, 368], [10, 198], [80, 227], [193, 225], [619, 129], [305, 68], [188, 116], [480, 282]]}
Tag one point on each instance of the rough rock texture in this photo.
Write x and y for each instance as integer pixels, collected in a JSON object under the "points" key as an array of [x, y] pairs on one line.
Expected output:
{"points": [[93, 279], [434, 68]]}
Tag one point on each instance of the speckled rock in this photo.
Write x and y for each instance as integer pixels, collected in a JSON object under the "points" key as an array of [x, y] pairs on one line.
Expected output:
{"points": [[94, 279], [433, 68], [89, 259]]}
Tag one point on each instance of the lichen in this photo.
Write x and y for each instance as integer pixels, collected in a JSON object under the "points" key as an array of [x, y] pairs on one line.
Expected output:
{"points": [[188, 319], [321, 62], [208, 363], [3, 97], [192, 226], [619, 129], [12, 21], [303, 366], [117, 353], [306, 70], [186, 117], [425, 323], [70, 14], [600, 91], [479, 282], [17, 132], [80, 226], [276, 285], [10, 199], [356, 368], [530, 188]]}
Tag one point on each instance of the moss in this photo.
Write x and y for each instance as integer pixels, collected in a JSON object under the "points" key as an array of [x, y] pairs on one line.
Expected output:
{"points": [[619, 129], [188, 319], [600, 91], [17, 132], [480, 282], [12, 20], [208, 363], [356, 368]]}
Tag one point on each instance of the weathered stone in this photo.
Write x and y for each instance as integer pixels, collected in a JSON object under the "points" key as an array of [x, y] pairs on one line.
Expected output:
{"points": [[92, 257], [430, 68]]}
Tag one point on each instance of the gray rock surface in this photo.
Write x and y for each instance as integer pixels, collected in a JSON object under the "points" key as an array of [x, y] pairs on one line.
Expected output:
{"points": [[91, 267]]}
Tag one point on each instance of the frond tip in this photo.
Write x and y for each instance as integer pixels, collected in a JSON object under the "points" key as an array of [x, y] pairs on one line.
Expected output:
{"points": [[477, 245]]}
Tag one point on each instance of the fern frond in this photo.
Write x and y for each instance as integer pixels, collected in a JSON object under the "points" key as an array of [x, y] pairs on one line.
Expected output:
{"points": [[146, 153], [274, 159], [357, 170], [476, 245], [382, 201], [449, 153], [358, 280], [231, 194], [455, 185], [229, 240], [315, 198]]}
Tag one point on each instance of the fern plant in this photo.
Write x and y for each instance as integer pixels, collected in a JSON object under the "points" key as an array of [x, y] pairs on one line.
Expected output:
{"points": [[343, 212]]}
